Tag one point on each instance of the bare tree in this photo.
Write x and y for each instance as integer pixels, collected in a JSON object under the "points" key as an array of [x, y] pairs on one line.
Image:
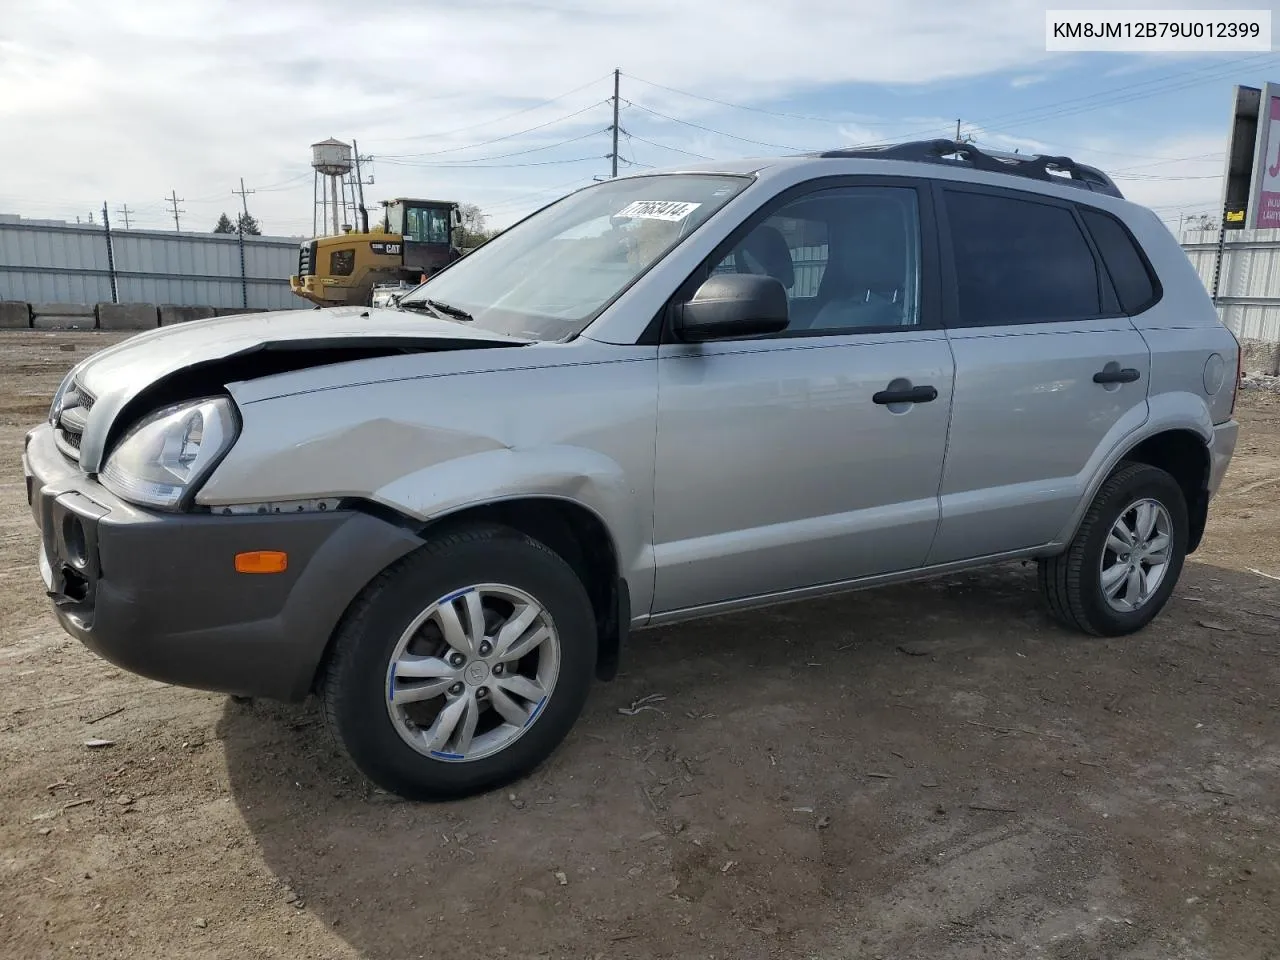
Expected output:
{"points": [[473, 230]]}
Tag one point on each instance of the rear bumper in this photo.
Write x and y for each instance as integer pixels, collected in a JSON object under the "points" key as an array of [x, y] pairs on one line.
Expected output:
{"points": [[158, 594], [1221, 447]]}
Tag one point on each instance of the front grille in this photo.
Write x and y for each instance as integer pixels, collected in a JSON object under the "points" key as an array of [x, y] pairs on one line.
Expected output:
{"points": [[306, 259], [72, 421]]}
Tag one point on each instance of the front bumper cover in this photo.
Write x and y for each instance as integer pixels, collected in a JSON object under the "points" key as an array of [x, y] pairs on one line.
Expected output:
{"points": [[158, 594]]}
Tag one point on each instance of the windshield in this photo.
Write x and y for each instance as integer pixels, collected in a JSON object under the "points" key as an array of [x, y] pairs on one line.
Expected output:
{"points": [[549, 276]]}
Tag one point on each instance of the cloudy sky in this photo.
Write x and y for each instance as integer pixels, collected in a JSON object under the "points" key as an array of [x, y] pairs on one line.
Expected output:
{"points": [[504, 103]]}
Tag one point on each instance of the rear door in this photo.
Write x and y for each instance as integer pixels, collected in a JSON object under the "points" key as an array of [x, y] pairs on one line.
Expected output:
{"points": [[1050, 372]]}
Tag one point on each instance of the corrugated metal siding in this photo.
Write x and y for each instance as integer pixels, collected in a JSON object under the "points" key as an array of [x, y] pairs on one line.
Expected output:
{"points": [[68, 263], [1249, 283]]}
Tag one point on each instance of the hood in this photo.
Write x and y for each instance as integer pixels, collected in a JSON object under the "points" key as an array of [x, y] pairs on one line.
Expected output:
{"points": [[262, 343]]}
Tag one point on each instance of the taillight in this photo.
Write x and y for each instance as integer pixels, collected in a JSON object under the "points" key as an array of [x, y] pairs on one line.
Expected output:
{"points": [[1235, 388]]}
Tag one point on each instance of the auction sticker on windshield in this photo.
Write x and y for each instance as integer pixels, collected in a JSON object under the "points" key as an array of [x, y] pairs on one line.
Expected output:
{"points": [[657, 210]]}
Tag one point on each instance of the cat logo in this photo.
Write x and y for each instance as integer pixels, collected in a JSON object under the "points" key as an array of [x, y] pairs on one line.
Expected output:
{"points": [[386, 249]]}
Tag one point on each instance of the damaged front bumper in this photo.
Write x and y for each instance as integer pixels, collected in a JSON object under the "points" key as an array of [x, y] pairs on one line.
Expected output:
{"points": [[159, 595]]}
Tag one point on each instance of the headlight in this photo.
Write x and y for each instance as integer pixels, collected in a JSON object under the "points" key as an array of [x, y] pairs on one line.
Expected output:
{"points": [[170, 452]]}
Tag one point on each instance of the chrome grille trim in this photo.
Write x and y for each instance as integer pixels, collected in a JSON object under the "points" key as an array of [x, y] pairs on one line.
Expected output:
{"points": [[72, 420]]}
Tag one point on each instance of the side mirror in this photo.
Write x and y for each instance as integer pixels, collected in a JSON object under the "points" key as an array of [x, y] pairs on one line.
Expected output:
{"points": [[732, 305]]}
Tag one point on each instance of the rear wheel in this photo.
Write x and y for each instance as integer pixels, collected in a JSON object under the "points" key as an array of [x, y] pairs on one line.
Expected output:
{"points": [[1121, 567], [463, 666]]}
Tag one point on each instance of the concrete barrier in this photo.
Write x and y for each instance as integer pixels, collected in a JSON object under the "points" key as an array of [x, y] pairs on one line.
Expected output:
{"points": [[1260, 357], [64, 316], [127, 316], [14, 315], [235, 311], [171, 313]]}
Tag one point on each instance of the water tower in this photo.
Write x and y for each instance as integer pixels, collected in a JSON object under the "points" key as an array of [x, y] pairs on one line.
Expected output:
{"points": [[330, 159]]}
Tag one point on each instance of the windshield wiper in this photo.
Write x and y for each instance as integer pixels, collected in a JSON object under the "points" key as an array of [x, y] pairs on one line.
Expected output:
{"points": [[445, 311], [449, 310]]}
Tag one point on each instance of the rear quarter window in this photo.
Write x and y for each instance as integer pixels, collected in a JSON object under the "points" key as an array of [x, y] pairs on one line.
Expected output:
{"points": [[1131, 275]]}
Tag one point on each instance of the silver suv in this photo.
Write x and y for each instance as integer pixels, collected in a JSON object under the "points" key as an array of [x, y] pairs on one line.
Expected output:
{"points": [[661, 397]]}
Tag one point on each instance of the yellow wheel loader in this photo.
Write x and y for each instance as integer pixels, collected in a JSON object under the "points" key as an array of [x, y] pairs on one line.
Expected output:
{"points": [[414, 240]]}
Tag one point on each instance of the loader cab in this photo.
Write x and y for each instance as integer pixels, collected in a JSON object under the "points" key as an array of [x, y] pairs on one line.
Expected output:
{"points": [[427, 227]]}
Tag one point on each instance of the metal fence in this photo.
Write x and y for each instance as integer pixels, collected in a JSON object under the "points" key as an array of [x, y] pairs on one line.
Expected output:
{"points": [[1248, 278], [43, 261]]}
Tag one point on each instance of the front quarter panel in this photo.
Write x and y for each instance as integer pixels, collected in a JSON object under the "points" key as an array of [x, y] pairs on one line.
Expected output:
{"points": [[581, 431]]}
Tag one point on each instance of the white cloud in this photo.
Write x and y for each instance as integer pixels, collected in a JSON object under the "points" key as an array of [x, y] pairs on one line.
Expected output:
{"points": [[125, 100], [128, 99]]}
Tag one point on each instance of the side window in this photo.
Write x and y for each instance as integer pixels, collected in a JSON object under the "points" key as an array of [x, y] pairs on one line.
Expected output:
{"points": [[1124, 262], [423, 225], [342, 263], [848, 257], [1019, 261]]}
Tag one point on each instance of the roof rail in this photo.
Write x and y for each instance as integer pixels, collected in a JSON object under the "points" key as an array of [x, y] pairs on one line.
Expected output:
{"points": [[1036, 167]]}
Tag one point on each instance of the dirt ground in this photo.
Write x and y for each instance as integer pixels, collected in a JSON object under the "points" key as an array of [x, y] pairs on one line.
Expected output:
{"points": [[926, 771]]}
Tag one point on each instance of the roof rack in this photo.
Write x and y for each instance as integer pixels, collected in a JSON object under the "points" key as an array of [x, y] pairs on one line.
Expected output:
{"points": [[1036, 167]]}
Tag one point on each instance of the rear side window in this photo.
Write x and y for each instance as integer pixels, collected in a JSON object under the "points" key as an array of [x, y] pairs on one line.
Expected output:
{"points": [[1129, 272], [1018, 261]]}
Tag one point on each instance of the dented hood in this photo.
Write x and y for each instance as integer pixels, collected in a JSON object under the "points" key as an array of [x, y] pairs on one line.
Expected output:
{"points": [[118, 374]]}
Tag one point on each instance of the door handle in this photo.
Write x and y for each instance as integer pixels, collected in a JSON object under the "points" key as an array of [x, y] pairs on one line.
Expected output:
{"points": [[909, 395], [1125, 375]]}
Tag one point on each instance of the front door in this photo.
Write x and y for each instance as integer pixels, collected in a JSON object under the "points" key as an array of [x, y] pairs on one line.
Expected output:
{"points": [[793, 461]]}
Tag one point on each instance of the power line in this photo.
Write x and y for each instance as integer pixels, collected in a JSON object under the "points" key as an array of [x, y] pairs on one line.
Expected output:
{"points": [[174, 199], [501, 156], [666, 146], [124, 211], [1087, 101], [486, 123], [770, 113], [1156, 178], [699, 126], [516, 201], [1106, 98], [485, 143], [494, 166]]}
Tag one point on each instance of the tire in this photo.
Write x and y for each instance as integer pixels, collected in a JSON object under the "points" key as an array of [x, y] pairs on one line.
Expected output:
{"points": [[1072, 582], [376, 735]]}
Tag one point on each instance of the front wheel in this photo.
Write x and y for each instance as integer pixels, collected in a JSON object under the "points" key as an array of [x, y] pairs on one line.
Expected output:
{"points": [[463, 666], [1121, 567]]}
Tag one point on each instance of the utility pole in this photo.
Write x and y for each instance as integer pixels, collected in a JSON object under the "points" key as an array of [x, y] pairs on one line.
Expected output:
{"points": [[173, 200], [614, 156], [111, 256], [957, 131], [124, 212], [242, 193], [364, 213]]}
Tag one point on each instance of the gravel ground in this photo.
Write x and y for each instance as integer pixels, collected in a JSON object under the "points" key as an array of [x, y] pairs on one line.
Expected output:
{"points": [[924, 771]]}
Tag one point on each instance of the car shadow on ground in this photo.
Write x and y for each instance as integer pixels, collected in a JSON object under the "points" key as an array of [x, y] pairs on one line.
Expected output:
{"points": [[930, 766]]}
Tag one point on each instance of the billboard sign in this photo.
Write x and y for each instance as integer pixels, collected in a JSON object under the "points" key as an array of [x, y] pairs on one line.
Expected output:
{"points": [[1266, 203]]}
